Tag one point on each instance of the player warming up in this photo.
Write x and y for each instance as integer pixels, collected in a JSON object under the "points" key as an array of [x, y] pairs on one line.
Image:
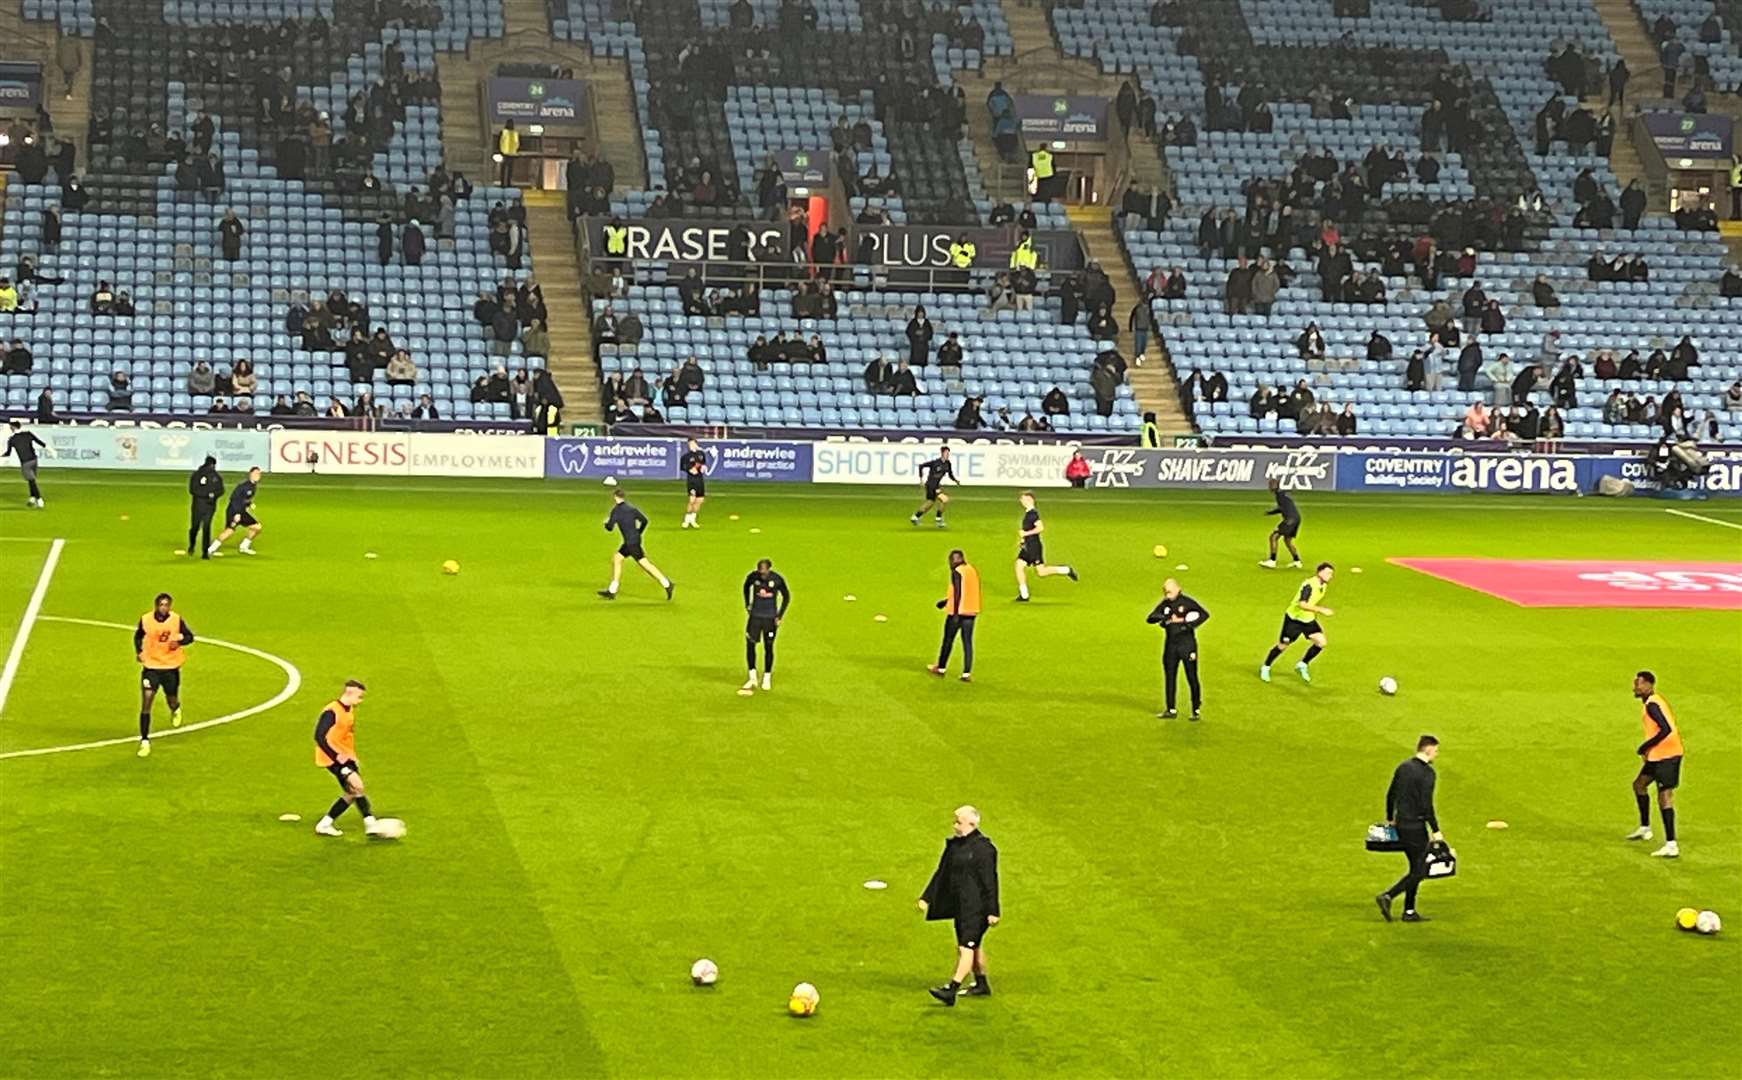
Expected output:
{"points": [[1286, 529], [336, 752], [961, 607], [630, 523], [160, 642], [694, 466], [239, 514], [935, 472], [1029, 552], [1661, 765], [766, 598], [24, 443], [1302, 620]]}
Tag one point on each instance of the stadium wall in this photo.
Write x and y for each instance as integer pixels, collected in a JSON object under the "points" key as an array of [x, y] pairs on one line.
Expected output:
{"points": [[978, 463]]}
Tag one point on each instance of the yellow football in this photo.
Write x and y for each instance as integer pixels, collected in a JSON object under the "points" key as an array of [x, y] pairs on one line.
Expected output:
{"points": [[450, 567], [1161, 551], [803, 1000], [1687, 918]]}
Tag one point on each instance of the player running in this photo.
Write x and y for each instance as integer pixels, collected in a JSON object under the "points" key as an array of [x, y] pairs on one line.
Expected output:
{"points": [[936, 471], [630, 523], [1286, 529], [1662, 751], [1302, 620], [239, 514], [1028, 551], [24, 444], [694, 466], [766, 598], [160, 642], [336, 752]]}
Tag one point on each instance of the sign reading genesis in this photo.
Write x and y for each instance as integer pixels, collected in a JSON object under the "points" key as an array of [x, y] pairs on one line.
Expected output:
{"points": [[654, 459], [555, 103], [738, 459]]}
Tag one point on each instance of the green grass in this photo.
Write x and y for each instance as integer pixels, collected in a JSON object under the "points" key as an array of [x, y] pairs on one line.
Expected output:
{"points": [[591, 806]]}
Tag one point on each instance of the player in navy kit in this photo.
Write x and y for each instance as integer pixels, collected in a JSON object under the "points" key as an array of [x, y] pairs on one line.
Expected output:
{"points": [[766, 598], [630, 523], [935, 471], [1286, 529], [239, 514], [24, 444], [694, 466], [1029, 552]]}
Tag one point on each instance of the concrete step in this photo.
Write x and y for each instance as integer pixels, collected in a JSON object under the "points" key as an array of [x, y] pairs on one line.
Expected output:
{"points": [[571, 343]]}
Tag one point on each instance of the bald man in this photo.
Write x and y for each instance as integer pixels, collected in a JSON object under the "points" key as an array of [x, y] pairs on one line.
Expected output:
{"points": [[1179, 617], [965, 888]]}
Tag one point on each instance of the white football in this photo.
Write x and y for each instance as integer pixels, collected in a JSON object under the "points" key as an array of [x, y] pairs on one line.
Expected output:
{"points": [[1708, 923], [610, 481], [703, 972], [389, 828], [1388, 685]]}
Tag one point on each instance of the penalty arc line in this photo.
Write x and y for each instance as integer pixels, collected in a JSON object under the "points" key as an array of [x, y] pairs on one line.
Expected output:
{"points": [[31, 610], [1704, 518], [292, 683]]}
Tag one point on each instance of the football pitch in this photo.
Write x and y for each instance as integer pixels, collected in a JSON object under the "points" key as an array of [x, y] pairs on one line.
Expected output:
{"points": [[592, 806]]}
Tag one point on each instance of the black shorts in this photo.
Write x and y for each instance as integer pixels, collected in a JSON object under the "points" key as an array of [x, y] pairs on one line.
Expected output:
{"points": [[1294, 628], [243, 519], [696, 484], [632, 551], [1030, 553], [1666, 774], [1290, 529], [971, 930], [341, 770], [758, 627], [166, 679], [931, 493]]}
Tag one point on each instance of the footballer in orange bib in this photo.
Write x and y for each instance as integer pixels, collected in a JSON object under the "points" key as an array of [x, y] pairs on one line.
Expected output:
{"points": [[961, 607], [1661, 764], [160, 641], [336, 752]]}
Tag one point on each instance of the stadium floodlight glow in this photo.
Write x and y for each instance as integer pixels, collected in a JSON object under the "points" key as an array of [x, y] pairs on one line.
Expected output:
{"points": [[1058, 144], [802, 192], [497, 158], [535, 129]]}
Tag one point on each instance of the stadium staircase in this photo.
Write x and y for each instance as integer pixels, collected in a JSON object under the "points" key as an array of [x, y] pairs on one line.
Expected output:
{"points": [[1153, 384], [466, 144], [27, 39], [1627, 30]]}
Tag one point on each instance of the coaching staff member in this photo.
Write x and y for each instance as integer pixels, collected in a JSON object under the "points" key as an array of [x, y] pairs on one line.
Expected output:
{"points": [[1179, 616], [1409, 806], [965, 888], [206, 487]]}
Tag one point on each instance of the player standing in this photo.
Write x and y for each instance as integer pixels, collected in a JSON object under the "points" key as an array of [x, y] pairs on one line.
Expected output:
{"points": [[1662, 751], [961, 607], [766, 598], [160, 641], [1286, 529], [1302, 620], [24, 444], [630, 523], [935, 472], [694, 466], [336, 752], [1029, 552], [204, 487], [239, 514]]}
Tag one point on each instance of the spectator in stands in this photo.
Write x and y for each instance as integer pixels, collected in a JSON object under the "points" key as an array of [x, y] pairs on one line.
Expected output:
{"points": [[1641, 411], [1346, 422], [1104, 383], [1733, 397], [1499, 374], [1415, 371], [384, 240], [18, 359], [1469, 363], [230, 232], [507, 148], [1262, 403], [636, 389], [1542, 293], [1615, 408], [968, 417], [1310, 343], [1237, 290], [1476, 422], [879, 375], [1055, 403], [1262, 287], [1655, 365], [8, 296], [1564, 387], [1681, 358], [1525, 383], [950, 352], [400, 369], [1102, 326], [919, 335], [605, 327], [536, 340], [411, 243], [1633, 200], [903, 383], [242, 379], [103, 299], [201, 380], [1552, 426], [1474, 303]]}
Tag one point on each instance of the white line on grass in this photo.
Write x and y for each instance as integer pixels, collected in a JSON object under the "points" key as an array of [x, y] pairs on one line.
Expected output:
{"points": [[31, 610], [292, 683], [1704, 518]]}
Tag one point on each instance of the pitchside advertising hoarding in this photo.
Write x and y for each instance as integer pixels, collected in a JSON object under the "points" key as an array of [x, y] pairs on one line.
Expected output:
{"points": [[895, 246], [172, 449], [1540, 474], [555, 103], [400, 453]]}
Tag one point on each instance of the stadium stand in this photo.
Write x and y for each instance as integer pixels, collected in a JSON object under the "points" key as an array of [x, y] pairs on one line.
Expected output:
{"points": [[324, 205]]}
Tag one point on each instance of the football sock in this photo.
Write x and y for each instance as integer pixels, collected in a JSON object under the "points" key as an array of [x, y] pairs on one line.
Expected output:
{"points": [[363, 805], [35, 492], [339, 807], [145, 725], [940, 515], [1644, 811], [1310, 653], [768, 656], [664, 582], [750, 656], [1669, 824], [612, 588], [1022, 591], [1270, 658]]}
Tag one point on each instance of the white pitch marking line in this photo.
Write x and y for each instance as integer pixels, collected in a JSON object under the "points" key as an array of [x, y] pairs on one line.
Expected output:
{"points": [[1704, 518], [31, 610], [292, 683]]}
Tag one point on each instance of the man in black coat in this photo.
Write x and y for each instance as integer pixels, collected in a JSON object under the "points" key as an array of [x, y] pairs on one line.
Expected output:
{"points": [[965, 888], [1179, 616], [1409, 807]]}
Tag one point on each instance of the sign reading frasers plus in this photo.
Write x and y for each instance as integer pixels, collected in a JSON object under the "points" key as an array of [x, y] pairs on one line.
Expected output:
{"points": [[555, 103], [737, 459], [654, 459], [1305, 469]]}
